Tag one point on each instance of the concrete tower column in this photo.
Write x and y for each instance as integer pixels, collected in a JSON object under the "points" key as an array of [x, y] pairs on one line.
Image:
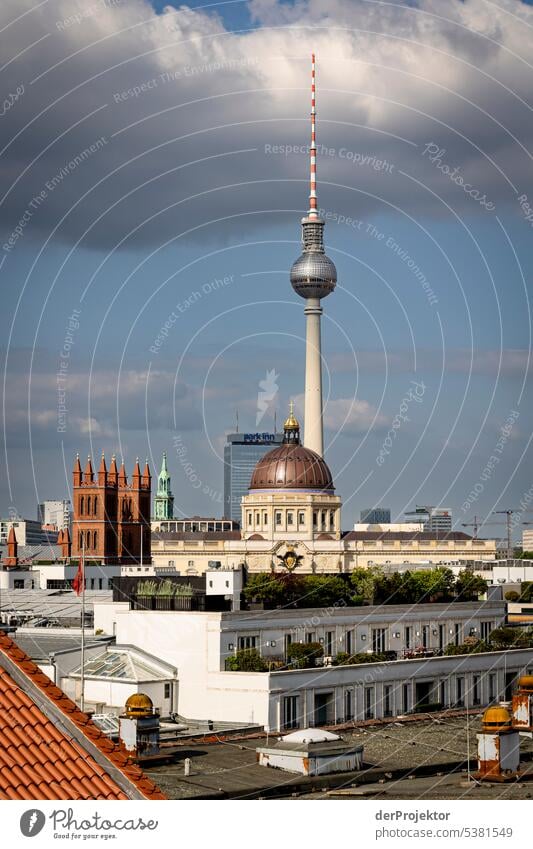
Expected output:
{"points": [[313, 431]]}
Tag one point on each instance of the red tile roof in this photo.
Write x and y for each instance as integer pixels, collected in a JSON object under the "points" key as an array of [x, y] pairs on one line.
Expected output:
{"points": [[49, 749]]}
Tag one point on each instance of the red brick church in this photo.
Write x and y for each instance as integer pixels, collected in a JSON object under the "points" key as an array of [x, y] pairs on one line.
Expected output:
{"points": [[111, 516]]}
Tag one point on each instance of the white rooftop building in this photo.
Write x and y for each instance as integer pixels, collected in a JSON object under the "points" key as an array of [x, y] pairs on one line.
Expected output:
{"points": [[198, 644]]}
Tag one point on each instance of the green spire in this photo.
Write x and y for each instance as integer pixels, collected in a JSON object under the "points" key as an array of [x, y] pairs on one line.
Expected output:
{"points": [[164, 500]]}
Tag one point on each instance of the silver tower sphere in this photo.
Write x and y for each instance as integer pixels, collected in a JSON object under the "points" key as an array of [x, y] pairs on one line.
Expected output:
{"points": [[313, 275]]}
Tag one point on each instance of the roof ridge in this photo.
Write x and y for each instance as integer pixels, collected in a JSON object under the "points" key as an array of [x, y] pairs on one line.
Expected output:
{"points": [[111, 751]]}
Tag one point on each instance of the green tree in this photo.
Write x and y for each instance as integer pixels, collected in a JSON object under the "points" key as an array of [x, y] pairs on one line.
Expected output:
{"points": [[512, 595], [324, 591], [468, 586], [246, 660], [507, 638], [304, 655], [364, 581], [273, 589]]}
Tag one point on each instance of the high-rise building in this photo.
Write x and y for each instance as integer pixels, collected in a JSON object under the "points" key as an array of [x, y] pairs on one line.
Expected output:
{"points": [[28, 532], [242, 452], [313, 277], [111, 519], [435, 519], [55, 513], [164, 500], [375, 516], [439, 520]]}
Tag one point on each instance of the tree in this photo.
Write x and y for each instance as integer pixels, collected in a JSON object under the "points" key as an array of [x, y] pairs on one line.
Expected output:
{"points": [[273, 589], [431, 584], [247, 660], [324, 591], [304, 655], [364, 581], [468, 586], [509, 638], [512, 595], [473, 647]]}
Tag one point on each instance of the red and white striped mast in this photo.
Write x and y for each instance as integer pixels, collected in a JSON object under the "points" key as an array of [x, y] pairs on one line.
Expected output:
{"points": [[313, 210]]}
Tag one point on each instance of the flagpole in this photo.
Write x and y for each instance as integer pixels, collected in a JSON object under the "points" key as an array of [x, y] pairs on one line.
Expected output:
{"points": [[82, 700]]}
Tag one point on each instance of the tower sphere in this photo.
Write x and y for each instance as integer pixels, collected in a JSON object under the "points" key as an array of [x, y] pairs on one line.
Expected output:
{"points": [[313, 275]]}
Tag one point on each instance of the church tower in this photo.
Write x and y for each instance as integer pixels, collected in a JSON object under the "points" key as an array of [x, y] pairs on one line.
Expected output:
{"points": [[111, 516], [164, 500]]}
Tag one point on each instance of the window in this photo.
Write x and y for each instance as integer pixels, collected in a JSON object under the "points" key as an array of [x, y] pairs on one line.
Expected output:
{"points": [[88, 505], [378, 639], [258, 518], [278, 517], [95, 540], [18, 584], [348, 705], [82, 505], [290, 712], [290, 518], [460, 691], [95, 508], [310, 637], [288, 641], [486, 628], [405, 698], [328, 646], [442, 636], [301, 518], [369, 703], [387, 700], [442, 693], [167, 690], [408, 633], [315, 520], [331, 521], [265, 519], [249, 519], [457, 634], [190, 564], [248, 642], [476, 690], [492, 687], [349, 642], [171, 563], [425, 636]]}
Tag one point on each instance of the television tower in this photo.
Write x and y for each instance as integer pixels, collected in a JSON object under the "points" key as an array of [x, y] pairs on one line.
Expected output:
{"points": [[313, 276]]}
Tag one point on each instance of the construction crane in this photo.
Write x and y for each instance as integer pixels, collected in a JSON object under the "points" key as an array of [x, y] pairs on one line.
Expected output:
{"points": [[508, 521], [477, 524]]}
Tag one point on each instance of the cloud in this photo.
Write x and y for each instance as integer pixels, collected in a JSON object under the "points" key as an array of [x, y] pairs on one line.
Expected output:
{"points": [[192, 114], [348, 416]]}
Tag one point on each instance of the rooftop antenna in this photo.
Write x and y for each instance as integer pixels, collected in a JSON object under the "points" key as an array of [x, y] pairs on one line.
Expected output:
{"points": [[236, 421], [313, 211], [275, 421]]}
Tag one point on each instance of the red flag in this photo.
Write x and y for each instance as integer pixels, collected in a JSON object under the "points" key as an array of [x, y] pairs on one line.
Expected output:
{"points": [[79, 578]]}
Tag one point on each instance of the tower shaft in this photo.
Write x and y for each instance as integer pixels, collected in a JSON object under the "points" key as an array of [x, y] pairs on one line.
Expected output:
{"points": [[313, 431]]}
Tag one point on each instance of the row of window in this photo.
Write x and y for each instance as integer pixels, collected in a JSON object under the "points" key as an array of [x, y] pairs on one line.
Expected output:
{"points": [[392, 700], [323, 520], [426, 637], [88, 505]]}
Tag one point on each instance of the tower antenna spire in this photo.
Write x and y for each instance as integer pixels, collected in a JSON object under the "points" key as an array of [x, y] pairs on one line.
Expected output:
{"points": [[313, 210]]}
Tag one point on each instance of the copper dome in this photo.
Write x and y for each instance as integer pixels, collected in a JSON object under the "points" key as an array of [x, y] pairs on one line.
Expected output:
{"points": [[292, 467]]}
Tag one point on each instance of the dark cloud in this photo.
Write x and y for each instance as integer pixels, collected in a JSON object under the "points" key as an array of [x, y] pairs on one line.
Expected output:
{"points": [[131, 123]]}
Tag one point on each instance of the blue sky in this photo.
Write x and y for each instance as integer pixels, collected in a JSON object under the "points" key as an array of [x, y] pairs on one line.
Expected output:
{"points": [[190, 205]]}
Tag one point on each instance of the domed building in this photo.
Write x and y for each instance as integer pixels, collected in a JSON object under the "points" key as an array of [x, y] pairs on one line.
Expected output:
{"points": [[291, 495]]}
